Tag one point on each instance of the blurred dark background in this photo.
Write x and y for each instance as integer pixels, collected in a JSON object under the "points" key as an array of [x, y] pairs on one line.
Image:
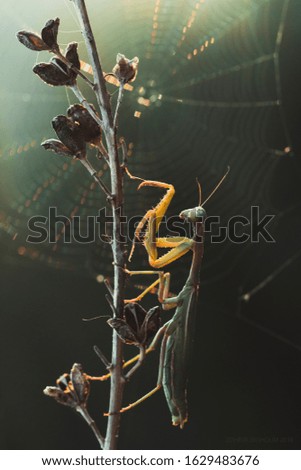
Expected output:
{"points": [[218, 85]]}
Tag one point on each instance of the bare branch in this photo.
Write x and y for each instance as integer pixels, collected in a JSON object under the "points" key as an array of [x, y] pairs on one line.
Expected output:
{"points": [[93, 173], [102, 357], [99, 81], [75, 69], [84, 413], [85, 103], [138, 363], [119, 99]]}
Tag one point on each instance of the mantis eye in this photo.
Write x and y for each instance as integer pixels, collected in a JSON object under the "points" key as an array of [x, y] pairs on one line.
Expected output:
{"points": [[200, 213]]}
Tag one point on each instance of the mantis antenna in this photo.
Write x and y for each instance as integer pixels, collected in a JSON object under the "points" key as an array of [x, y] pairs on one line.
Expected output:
{"points": [[200, 192], [217, 186]]}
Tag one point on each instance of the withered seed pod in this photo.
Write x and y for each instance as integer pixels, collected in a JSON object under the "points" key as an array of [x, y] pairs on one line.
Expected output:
{"points": [[71, 389], [125, 69], [137, 325], [68, 132], [89, 128]]}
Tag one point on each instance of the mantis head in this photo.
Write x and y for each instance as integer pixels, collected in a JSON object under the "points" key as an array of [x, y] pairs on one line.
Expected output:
{"points": [[195, 214], [198, 214]]}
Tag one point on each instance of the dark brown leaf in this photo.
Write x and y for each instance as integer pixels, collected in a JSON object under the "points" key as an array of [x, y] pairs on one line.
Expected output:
{"points": [[49, 34], [57, 147], [52, 73], [124, 331], [32, 41], [81, 385], [152, 322], [72, 55]]}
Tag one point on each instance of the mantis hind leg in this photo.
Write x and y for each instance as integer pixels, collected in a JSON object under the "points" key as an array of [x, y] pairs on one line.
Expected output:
{"points": [[160, 376], [136, 358]]}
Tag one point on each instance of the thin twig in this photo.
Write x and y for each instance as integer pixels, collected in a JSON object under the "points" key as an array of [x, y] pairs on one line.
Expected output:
{"points": [[100, 89], [82, 410], [102, 151], [102, 357], [138, 363], [75, 69], [110, 302], [119, 99], [108, 287], [96, 178], [85, 103]]}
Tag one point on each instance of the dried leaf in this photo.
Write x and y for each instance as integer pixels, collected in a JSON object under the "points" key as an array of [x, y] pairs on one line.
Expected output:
{"points": [[152, 323], [53, 73], [124, 331], [72, 55], [57, 147], [61, 397], [49, 34], [32, 41], [81, 385]]}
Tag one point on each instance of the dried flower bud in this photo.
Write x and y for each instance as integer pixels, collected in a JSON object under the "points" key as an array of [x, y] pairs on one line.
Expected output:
{"points": [[71, 390], [55, 73], [68, 132], [72, 55], [32, 41], [137, 326], [89, 128], [125, 69], [57, 147], [49, 34]]}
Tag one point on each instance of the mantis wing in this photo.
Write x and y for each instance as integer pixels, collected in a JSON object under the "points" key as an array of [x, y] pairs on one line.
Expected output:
{"points": [[177, 357]]}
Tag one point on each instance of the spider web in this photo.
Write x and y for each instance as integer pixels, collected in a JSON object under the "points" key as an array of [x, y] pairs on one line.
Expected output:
{"points": [[209, 94]]}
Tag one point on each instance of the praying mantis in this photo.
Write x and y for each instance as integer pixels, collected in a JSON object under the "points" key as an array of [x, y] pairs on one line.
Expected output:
{"points": [[177, 333]]}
